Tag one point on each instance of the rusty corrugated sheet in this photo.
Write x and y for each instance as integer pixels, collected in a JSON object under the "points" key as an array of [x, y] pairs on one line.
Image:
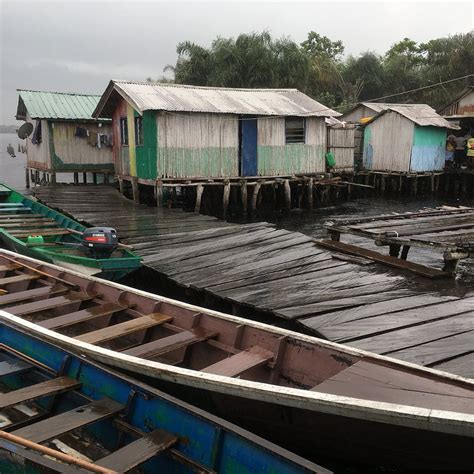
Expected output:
{"points": [[180, 98], [56, 105]]}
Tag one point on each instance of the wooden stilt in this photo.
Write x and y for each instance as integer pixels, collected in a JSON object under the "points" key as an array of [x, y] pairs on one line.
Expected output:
{"points": [[309, 194], [94, 178], [404, 253], [76, 177], [256, 189], [394, 250], [432, 183], [120, 182], [199, 190], [243, 194], [159, 194], [287, 191], [135, 190], [53, 178], [84, 178], [225, 198], [27, 178]]}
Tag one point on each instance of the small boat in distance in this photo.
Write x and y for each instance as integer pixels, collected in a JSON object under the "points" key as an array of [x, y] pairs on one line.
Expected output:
{"points": [[62, 413], [33, 229], [321, 400]]}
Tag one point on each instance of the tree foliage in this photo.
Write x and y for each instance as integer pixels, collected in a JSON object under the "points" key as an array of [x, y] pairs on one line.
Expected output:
{"points": [[318, 68]]}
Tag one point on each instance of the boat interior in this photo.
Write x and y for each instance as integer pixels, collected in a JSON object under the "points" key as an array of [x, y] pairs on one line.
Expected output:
{"points": [[53, 412], [38, 228], [139, 325]]}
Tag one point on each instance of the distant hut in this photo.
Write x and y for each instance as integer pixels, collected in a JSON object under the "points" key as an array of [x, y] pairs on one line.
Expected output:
{"points": [[460, 111], [179, 132], [364, 111], [405, 139], [65, 138]]}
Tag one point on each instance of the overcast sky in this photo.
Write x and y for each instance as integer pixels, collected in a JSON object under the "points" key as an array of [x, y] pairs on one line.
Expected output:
{"points": [[78, 46]]}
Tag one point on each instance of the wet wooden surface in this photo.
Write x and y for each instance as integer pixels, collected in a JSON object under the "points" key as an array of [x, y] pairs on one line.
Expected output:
{"points": [[284, 274], [445, 228]]}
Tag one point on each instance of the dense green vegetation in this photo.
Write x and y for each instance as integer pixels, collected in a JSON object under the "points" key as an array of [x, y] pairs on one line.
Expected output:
{"points": [[318, 68]]}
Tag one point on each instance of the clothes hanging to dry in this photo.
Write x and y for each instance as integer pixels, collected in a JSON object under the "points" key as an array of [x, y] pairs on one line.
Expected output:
{"points": [[36, 138]]}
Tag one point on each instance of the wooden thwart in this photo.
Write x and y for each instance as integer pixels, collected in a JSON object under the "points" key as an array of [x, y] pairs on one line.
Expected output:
{"points": [[123, 329], [43, 389], [170, 343], [60, 424], [82, 316], [238, 363], [139, 451], [17, 278]]}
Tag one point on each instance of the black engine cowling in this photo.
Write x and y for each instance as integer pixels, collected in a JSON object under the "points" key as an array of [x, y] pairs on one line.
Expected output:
{"points": [[100, 241]]}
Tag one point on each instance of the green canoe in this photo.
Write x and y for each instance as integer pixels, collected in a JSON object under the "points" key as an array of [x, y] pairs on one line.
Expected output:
{"points": [[35, 230]]}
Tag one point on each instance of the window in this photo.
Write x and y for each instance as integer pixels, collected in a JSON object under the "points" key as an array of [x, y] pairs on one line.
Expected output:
{"points": [[123, 131], [138, 131], [295, 130]]}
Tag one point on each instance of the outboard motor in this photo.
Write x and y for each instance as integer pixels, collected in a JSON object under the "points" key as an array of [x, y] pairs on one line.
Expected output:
{"points": [[100, 241]]}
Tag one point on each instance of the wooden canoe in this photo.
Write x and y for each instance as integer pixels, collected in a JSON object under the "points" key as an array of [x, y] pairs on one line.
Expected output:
{"points": [[322, 400], [59, 237], [62, 413]]}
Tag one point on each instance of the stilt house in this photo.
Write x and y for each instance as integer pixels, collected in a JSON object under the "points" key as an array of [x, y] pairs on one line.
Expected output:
{"points": [[405, 139], [169, 131], [65, 137]]}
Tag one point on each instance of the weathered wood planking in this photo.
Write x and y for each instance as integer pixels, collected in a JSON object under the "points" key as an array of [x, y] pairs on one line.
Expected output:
{"points": [[284, 274]]}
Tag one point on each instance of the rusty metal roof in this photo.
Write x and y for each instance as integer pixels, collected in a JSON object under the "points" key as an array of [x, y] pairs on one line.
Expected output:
{"points": [[56, 105], [421, 114], [181, 98]]}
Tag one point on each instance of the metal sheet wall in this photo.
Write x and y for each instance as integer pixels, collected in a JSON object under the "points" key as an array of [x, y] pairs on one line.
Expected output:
{"points": [[70, 152], [428, 151], [38, 156], [197, 145], [387, 143], [276, 158], [341, 143]]}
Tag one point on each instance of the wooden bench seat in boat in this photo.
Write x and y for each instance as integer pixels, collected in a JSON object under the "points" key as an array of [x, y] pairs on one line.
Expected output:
{"points": [[39, 390], [50, 303], [82, 315], [238, 363], [58, 425], [125, 328], [171, 343], [18, 278], [138, 451], [9, 267], [26, 295], [23, 235]]}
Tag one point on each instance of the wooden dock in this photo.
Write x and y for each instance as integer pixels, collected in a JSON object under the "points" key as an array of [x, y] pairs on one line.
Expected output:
{"points": [[447, 229], [258, 271]]}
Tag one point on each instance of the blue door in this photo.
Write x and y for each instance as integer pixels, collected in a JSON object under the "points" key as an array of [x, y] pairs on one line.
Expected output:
{"points": [[248, 147]]}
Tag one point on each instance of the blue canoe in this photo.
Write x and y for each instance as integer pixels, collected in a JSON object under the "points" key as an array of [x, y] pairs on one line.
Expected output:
{"points": [[66, 403]]}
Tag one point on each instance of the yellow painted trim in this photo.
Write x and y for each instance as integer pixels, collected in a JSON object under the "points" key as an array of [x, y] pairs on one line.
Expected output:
{"points": [[131, 140]]}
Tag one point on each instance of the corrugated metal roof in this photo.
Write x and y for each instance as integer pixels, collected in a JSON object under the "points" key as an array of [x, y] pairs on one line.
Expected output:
{"points": [[56, 105], [181, 98], [379, 106], [421, 114]]}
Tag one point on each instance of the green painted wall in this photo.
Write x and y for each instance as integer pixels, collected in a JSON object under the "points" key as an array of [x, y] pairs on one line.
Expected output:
{"points": [[146, 154], [289, 159], [429, 136], [197, 162]]}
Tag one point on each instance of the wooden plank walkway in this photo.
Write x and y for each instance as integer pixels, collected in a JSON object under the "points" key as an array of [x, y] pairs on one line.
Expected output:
{"points": [[446, 229], [267, 271]]}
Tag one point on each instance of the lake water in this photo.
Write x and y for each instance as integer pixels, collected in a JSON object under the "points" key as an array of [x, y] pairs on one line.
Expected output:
{"points": [[12, 170]]}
